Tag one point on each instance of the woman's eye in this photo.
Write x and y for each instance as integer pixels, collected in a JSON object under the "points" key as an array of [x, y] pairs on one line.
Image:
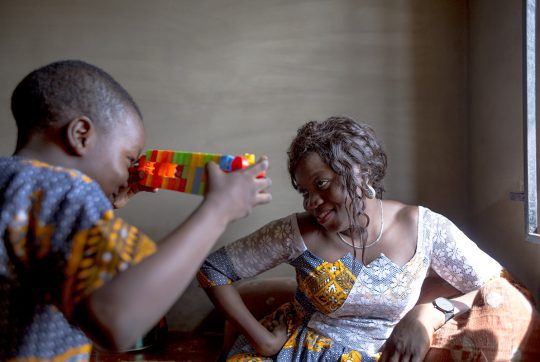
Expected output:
{"points": [[321, 184]]}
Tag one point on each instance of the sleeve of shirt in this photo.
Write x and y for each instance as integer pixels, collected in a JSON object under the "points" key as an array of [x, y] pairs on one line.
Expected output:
{"points": [[63, 237], [275, 243], [455, 257], [98, 254]]}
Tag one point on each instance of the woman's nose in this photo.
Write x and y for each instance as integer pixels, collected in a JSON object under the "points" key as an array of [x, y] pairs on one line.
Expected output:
{"points": [[313, 201]]}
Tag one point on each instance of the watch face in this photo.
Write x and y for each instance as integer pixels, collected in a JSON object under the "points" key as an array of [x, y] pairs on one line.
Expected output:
{"points": [[444, 304]]}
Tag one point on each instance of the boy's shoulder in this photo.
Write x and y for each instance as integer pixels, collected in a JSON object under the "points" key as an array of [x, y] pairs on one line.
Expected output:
{"points": [[19, 173], [16, 164]]}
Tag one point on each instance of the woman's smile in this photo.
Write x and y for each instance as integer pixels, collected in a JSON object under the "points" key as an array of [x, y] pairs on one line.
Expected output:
{"points": [[324, 216]]}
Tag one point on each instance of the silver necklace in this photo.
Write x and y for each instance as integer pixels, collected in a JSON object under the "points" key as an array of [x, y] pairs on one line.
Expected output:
{"points": [[374, 241]]}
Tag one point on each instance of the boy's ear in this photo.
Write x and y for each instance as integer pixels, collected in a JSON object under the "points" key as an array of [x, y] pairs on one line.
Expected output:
{"points": [[79, 134]]}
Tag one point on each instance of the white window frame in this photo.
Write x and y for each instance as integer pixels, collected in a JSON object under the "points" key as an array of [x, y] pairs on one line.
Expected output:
{"points": [[529, 121]]}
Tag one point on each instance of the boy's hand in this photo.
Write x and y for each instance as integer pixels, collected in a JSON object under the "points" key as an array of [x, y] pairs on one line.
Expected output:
{"points": [[133, 188], [236, 193]]}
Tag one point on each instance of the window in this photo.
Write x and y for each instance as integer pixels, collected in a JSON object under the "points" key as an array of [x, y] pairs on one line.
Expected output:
{"points": [[529, 121]]}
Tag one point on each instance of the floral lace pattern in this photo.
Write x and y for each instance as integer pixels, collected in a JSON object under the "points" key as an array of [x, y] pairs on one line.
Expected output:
{"points": [[271, 245], [454, 257]]}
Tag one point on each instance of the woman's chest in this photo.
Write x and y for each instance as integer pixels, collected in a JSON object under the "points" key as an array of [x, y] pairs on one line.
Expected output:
{"points": [[347, 287], [396, 244]]}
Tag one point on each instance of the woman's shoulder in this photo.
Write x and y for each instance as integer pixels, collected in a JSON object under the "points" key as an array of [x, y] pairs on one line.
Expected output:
{"points": [[400, 212], [401, 219]]}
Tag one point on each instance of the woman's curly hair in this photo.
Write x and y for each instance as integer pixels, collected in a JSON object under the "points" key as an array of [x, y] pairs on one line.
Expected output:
{"points": [[346, 146]]}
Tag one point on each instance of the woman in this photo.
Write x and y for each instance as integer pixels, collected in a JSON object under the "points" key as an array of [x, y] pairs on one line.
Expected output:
{"points": [[360, 261]]}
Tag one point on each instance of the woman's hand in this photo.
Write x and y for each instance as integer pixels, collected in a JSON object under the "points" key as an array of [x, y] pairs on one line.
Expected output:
{"points": [[133, 187], [411, 338], [278, 332]]}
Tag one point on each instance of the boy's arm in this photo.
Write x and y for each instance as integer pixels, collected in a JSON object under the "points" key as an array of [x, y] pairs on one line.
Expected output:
{"points": [[129, 305]]}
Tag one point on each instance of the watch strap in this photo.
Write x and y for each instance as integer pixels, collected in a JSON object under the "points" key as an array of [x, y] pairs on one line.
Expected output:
{"points": [[445, 306], [448, 316]]}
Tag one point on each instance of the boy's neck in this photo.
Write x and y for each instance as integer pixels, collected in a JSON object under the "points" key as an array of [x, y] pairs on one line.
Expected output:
{"points": [[45, 151]]}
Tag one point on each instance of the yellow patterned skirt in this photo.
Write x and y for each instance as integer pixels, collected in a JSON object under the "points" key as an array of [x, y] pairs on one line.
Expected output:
{"points": [[303, 343]]}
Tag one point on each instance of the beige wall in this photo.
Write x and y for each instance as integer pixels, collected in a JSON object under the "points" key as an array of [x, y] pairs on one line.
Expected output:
{"points": [[241, 76], [496, 132]]}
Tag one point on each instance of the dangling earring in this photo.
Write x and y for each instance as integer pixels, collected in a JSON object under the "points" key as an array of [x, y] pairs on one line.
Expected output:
{"points": [[370, 192]]}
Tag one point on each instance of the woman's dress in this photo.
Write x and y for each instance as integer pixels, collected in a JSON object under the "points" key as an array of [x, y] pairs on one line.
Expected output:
{"points": [[343, 310]]}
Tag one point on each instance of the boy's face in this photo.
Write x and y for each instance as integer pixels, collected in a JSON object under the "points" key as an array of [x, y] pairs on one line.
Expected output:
{"points": [[114, 151]]}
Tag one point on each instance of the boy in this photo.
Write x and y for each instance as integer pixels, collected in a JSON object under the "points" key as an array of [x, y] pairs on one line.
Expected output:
{"points": [[69, 269]]}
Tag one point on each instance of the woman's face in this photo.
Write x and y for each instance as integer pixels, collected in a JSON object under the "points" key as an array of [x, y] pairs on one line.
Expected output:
{"points": [[325, 198]]}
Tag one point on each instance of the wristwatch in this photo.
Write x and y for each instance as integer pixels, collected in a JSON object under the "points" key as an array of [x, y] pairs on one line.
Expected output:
{"points": [[445, 306]]}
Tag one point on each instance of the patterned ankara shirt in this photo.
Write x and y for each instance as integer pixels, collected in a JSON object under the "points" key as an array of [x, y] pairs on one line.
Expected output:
{"points": [[59, 242], [346, 310]]}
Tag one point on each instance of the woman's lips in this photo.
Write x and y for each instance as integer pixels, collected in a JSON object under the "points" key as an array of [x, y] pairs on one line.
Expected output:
{"points": [[323, 217]]}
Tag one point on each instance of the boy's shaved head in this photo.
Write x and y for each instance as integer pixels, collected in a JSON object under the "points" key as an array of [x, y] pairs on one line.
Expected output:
{"points": [[56, 93]]}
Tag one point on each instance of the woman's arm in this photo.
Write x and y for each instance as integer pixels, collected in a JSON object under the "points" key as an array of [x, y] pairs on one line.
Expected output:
{"points": [[267, 247], [434, 286], [412, 336], [456, 259], [227, 299]]}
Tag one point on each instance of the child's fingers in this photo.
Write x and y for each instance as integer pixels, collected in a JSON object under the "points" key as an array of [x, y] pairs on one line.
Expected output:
{"points": [[262, 199], [263, 196], [263, 184], [136, 186], [213, 168], [259, 167], [147, 189]]}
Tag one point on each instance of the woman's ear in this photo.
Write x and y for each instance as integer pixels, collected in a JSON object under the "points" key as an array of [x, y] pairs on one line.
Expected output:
{"points": [[358, 179], [364, 185], [79, 133], [362, 178]]}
